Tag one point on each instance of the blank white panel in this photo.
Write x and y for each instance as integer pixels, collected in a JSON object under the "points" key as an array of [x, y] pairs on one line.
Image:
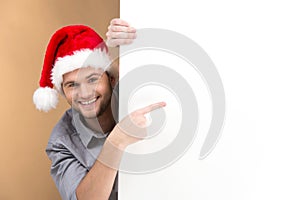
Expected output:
{"points": [[255, 46]]}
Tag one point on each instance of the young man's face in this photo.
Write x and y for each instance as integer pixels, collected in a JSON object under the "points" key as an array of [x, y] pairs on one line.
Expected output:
{"points": [[88, 90]]}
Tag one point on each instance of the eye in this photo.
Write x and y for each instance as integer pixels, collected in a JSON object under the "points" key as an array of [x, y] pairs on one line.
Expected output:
{"points": [[93, 80], [72, 85]]}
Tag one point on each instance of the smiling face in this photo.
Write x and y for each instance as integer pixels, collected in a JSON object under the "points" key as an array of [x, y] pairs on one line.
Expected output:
{"points": [[88, 91]]}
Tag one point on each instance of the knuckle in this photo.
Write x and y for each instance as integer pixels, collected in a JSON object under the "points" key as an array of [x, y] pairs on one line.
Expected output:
{"points": [[116, 28], [114, 35], [113, 21], [128, 41], [142, 124], [116, 21], [134, 115]]}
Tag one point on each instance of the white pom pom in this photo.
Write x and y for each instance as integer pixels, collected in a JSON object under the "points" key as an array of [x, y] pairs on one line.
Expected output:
{"points": [[45, 98]]}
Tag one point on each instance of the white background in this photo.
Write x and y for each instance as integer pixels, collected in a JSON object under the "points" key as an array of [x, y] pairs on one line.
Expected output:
{"points": [[255, 46]]}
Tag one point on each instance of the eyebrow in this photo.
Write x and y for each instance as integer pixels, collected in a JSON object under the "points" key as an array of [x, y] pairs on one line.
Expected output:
{"points": [[89, 76]]}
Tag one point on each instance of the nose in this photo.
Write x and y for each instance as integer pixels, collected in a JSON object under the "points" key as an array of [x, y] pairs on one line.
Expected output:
{"points": [[85, 91]]}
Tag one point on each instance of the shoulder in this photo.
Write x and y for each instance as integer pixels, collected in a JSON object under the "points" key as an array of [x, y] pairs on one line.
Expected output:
{"points": [[64, 128]]}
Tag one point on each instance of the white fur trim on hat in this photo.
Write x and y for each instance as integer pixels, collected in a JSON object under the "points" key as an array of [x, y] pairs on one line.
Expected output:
{"points": [[45, 98], [82, 58]]}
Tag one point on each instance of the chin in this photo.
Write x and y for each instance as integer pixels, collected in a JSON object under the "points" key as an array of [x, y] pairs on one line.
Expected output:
{"points": [[94, 112], [89, 114]]}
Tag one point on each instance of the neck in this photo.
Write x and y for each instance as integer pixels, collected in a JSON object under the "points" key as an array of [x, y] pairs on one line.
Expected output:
{"points": [[106, 121]]}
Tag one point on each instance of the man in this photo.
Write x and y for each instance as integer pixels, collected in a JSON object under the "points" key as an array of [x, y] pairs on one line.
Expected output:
{"points": [[86, 145]]}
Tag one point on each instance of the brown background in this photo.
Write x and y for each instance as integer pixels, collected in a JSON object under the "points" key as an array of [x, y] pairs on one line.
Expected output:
{"points": [[25, 29]]}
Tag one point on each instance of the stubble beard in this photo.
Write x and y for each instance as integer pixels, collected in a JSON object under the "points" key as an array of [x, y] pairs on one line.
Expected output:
{"points": [[103, 107]]}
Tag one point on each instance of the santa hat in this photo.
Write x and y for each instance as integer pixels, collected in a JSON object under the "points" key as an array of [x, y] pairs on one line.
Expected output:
{"points": [[70, 48]]}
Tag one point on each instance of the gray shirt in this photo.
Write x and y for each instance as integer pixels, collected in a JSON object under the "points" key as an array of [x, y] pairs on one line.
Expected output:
{"points": [[73, 149]]}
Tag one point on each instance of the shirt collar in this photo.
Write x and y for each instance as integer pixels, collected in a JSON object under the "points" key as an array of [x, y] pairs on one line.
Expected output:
{"points": [[85, 133]]}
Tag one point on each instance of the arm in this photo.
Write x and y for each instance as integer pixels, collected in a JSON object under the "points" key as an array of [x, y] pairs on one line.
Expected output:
{"points": [[97, 184], [66, 170], [73, 180]]}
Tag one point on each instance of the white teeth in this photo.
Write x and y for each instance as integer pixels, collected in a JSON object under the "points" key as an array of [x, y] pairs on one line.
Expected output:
{"points": [[88, 102]]}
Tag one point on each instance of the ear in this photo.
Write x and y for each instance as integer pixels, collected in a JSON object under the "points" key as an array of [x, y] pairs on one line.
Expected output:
{"points": [[113, 81], [111, 78]]}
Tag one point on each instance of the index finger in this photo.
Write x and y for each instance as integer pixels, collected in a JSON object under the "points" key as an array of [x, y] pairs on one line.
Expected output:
{"points": [[152, 107], [118, 21]]}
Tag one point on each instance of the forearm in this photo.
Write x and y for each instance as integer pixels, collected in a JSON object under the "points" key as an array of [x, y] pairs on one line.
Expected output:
{"points": [[98, 183]]}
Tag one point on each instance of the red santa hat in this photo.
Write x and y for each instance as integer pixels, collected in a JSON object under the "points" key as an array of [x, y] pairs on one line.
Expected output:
{"points": [[70, 48]]}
